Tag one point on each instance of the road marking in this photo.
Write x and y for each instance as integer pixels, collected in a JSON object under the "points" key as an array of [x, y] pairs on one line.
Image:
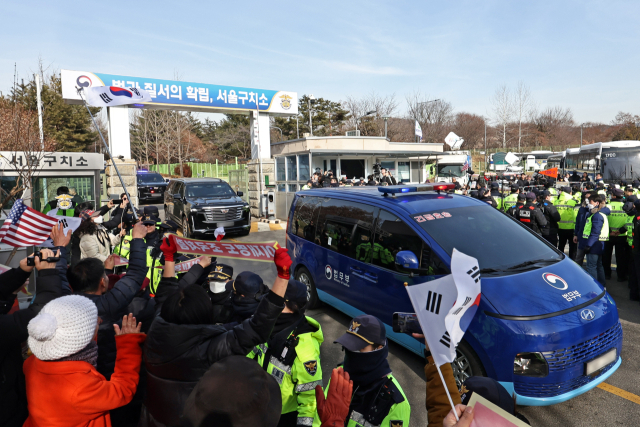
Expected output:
{"points": [[275, 227], [254, 227], [620, 392]]}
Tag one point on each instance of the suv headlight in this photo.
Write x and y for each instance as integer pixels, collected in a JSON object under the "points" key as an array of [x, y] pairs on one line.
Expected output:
{"points": [[531, 365]]}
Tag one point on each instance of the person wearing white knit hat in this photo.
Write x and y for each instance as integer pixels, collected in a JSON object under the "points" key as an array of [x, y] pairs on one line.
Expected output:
{"points": [[63, 386]]}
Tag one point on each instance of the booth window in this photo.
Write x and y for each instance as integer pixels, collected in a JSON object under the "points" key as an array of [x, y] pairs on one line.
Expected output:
{"points": [[403, 172], [292, 169], [8, 183], [303, 164], [280, 171], [45, 190]]}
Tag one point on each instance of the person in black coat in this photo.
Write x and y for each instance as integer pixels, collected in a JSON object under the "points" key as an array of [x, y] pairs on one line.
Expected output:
{"points": [[88, 278], [183, 342], [551, 214], [486, 197], [13, 330], [530, 215], [220, 293]]}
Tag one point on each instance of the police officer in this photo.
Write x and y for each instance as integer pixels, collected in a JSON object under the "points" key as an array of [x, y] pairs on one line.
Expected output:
{"points": [[155, 257], [64, 202], [530, 215], [292, 357], [219, 292], [378, 399], [549, 231], [519, 203], [634, 277], [496, 195], [247, 289], [566, 207], [511, 199], [617, 238], [548, 186]]}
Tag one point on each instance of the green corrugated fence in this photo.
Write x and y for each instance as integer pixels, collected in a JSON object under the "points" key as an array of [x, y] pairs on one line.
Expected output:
{"points": [[210, 170]]}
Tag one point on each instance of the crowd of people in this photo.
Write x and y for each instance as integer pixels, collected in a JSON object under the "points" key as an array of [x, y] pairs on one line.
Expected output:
{"points": [[328, 179], [104, 344], [592, 218]]}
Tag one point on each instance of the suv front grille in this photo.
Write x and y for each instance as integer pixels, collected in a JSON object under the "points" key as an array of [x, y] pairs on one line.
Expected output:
{"points": [[223, 213]]}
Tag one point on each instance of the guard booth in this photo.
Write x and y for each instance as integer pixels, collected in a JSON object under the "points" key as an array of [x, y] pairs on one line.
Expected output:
{"points": [[80, 172]]}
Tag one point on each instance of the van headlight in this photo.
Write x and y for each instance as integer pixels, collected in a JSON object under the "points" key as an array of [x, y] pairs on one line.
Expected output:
{"points": [[531, 365]]}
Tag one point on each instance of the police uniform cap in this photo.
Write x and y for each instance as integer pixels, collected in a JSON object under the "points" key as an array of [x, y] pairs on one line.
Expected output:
{"points": [[363, 330], [495, 185], [632, 198], [246, 283], [170, 225], [221, 273], [566, 189], [151, 220], [545, 193], [296, 292], [628, 206], [623, 183], [636, 183], [151, 211], [531, 195], [617, 192], [514, 188], [490, 389], [522, 196]]}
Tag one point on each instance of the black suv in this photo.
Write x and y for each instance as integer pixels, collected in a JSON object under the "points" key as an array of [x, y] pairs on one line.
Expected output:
{"points": [[203, 204], [151, 186]]}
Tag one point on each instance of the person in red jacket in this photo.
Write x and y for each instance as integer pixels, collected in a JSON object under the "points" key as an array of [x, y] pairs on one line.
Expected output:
{"points": [[63, 386]]}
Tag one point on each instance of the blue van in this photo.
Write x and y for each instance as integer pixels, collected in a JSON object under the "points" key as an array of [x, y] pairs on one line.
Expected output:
{"points": [[544, 328]]}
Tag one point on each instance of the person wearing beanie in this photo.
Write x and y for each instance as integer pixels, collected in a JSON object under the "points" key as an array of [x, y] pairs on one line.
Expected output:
{"points": [[14, 331], [530, 215], [378, 398], [183, 342], [292, 357], [247, 289], [64, 387]]}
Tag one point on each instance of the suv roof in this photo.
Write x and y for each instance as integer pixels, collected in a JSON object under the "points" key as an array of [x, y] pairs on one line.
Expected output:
{"points": [[198, 180], [411, 203]]}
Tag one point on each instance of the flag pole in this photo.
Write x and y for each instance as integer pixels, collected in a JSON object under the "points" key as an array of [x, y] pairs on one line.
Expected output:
{"points": [[446, 389], [133, 209]]}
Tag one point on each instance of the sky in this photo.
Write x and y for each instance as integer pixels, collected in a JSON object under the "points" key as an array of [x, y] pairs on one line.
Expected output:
{"points": [[578, 54]]}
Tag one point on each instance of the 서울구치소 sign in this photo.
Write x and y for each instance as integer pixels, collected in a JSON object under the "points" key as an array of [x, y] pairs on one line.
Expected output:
{"points": [[185, 95]]}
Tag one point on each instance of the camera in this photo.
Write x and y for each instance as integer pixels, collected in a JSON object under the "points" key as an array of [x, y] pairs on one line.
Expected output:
{"points": [[376, 172], [31, 261]]}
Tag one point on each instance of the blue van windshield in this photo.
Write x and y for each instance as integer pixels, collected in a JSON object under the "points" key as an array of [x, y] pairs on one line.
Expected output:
{"points": [[496, 241]]}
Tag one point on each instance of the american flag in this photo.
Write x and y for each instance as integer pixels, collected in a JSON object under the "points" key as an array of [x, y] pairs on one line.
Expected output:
{"points": [[466, 165], [25, 226]]}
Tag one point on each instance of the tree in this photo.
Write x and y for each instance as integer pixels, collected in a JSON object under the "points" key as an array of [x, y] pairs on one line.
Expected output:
{"points": [[69, 125], [555, 126], [470, 127], [503, 111], [434, 116], [371, 125], [230, 137], [523, 107]]}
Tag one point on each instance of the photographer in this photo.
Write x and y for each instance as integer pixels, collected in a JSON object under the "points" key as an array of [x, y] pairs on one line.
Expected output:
{"points": [[13, 330], [387, 177]]}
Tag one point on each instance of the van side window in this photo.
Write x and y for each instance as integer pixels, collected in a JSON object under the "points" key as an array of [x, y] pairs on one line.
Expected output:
{"points": [[346, 227], [305, 217], [394, 235]]}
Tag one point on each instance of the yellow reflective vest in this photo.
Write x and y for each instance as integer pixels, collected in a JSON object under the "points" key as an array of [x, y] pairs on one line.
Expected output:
{"points": [[604, 233], [297, 375], [617, 217], [566, 207]]}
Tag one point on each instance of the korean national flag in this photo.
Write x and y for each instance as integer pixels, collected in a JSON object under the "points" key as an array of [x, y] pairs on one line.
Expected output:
{"points": [[112, 96], [446, 306], [70, 224]]}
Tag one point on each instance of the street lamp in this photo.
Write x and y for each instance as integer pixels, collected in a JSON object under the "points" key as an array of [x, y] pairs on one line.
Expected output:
{"points": [[365, 114], [385, 125], [276, 127], [581, 124], [310, 100]]}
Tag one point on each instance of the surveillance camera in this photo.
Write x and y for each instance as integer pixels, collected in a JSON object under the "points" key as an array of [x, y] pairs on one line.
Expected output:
{"points": [[312, 98]]}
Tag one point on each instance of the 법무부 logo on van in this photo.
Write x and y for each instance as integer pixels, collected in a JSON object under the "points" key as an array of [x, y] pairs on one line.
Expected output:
{"points": [[555, 281], [328, 272]]}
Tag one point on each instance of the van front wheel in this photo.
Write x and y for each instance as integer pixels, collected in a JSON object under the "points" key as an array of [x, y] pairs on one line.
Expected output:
{"points": [[466, 364], [303, 275]]}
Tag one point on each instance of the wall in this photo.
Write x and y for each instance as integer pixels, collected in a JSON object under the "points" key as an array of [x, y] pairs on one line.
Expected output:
{"points": [[268, 169]]}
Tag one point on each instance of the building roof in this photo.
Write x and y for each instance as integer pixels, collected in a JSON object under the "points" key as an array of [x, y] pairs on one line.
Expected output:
{"points": [[354, 145]]}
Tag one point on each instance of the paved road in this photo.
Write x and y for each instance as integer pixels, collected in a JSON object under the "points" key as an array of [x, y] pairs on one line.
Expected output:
{"points": [[595, 408]]}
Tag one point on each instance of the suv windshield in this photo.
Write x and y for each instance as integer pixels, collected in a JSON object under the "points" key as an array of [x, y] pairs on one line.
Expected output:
{"points": [[496, 241], [150, 178], [210, 189], [450, 170]]}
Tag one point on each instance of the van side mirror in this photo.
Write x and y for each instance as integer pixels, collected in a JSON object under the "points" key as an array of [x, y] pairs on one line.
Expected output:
{"points": [[239, 193], [407, 260]]}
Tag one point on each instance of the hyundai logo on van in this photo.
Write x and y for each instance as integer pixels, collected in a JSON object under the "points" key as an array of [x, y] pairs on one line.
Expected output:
{"points": [[587, 314], [328, 272], [555, 281]]}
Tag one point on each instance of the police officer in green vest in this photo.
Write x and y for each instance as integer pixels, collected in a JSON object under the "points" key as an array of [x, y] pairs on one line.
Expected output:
{"points": [[629, 209], [363, 250], [378, 399], [63, 202], [566, 206], [594, 235], [633, 239], [636, 188], [496, 195], [548, 186], [617, 239], [511, 199], [292, 358], [154, 254]]}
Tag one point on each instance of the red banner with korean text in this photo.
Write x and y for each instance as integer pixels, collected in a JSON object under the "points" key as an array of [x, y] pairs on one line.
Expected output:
{"points": [[185, 265], [263, 251]]}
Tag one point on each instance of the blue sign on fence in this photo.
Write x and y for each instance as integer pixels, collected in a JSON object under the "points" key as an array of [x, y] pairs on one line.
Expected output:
{"points": [[186, 95]]}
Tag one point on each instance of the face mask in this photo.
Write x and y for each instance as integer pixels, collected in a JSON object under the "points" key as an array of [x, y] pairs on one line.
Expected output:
{"points": [[98, 219], [217, 287], [590, 206]]}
